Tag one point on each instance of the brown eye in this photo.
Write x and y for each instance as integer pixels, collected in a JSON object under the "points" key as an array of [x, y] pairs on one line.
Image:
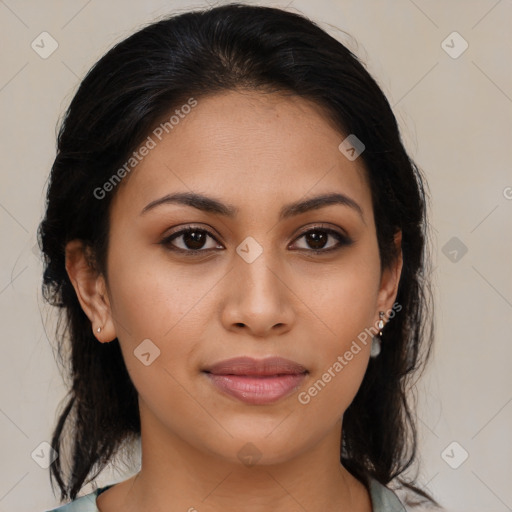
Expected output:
{"points": [[317, 240], [191, 239]]}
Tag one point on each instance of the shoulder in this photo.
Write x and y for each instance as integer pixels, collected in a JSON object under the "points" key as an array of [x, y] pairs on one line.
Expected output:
{"points": [[399, 498], [383, 498], [85, 503]]}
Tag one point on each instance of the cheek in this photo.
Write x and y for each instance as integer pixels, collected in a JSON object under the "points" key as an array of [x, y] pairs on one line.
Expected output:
{"points": [[340, 297], [342, 351], [156, 324], [342, 301], [151, 297], [328, 394], [168, 304]]}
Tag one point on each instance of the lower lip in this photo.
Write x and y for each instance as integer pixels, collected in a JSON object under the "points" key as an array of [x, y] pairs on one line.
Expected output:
{"points": [[257, 390]]}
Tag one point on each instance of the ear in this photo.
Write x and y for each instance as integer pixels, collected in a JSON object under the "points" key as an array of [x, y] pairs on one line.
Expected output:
{"points": [[91, 290], [390, 279]]}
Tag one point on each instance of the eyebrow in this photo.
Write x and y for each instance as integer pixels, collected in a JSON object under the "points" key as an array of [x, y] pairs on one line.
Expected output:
{"points": [[211, 205]]}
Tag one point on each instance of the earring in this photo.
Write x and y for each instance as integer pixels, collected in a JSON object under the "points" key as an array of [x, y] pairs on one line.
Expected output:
{"points": [[376, 341], [98, 329]]}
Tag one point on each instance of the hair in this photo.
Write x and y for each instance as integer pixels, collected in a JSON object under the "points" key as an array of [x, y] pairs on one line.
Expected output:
{"points": [[124, 95]]}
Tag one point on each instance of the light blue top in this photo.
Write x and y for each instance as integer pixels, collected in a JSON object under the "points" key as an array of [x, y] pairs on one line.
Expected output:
{"points": [[383, 500]]}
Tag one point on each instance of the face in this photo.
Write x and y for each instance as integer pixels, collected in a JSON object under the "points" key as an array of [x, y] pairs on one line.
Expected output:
{"points": [[261, 273]]}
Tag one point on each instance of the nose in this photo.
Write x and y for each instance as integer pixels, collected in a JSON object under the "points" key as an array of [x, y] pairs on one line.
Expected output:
{"points": [[258, 300]]}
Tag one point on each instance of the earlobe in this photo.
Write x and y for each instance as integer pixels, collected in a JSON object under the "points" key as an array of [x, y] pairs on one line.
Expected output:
{"points": [[90, 289]]}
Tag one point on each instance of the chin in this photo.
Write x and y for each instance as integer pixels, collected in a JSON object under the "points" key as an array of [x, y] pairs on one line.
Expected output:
{"points": [[256, 447]]}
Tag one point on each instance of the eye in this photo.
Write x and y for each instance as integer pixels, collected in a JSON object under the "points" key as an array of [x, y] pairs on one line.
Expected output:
{"points": [[192, 241], [317, 238]]}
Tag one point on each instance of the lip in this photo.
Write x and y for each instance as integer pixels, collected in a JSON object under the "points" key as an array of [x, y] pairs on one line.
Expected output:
{"points": [[256, 381], [260, 367]]}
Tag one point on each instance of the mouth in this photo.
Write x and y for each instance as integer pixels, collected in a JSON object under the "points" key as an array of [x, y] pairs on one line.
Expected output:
{"points": [[256, 382]]}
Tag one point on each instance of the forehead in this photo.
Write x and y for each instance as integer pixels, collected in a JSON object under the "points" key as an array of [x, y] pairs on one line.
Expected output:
{"points": [[248, 146]]}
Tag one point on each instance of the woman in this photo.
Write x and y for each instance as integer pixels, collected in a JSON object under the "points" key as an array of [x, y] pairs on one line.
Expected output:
{"points": [[237, 237]]}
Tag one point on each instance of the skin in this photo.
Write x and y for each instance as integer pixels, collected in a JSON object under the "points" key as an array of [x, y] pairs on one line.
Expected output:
{"points": [[257, 152]]}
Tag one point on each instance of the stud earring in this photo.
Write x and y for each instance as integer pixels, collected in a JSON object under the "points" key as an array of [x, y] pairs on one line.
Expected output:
{"points": [[98, 329], [376, 341]]}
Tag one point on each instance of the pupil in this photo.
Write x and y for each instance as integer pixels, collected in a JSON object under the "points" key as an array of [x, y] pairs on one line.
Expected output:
{"points": [[197, 240], [316, 240]]}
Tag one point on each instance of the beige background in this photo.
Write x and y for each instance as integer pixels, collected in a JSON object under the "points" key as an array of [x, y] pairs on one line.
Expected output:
{"points": [[456, 120]]}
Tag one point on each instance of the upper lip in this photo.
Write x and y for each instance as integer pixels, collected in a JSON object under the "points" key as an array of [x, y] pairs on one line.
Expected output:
{"points": [[250, 366]]}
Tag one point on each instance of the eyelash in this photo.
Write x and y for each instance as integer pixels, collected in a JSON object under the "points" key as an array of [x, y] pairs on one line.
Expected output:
{"points": [[342, 239]]}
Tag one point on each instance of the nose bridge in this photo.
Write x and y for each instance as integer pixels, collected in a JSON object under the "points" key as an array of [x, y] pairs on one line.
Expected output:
{"points": [[258, 294], [254, 270]]}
